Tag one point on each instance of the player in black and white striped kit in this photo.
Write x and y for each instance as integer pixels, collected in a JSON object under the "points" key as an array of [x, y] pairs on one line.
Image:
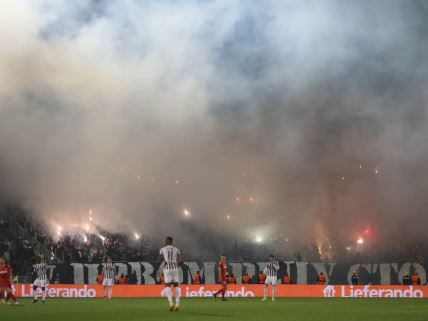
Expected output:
{"points": [[109, 274], [271, 272], [41, 281], [172, 259]]}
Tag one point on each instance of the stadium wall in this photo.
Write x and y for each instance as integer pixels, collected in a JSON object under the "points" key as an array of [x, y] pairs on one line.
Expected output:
{"points": [[301, 272], [241, 290]]}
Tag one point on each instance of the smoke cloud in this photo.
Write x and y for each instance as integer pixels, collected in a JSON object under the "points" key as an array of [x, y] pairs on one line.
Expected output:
{"points": [[296, 122]]}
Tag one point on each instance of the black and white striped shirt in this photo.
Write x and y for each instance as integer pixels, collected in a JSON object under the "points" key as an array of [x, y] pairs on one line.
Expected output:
{"points": [[170, 255], [272, 268], [41, 269], [170, 266], [109, 271]]}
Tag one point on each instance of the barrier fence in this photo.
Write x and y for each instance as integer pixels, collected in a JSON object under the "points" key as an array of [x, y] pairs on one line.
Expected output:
{"points": [[301, 272], [234, 290]]}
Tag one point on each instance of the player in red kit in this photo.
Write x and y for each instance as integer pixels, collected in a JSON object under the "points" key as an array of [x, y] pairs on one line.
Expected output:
{"points": [[6, 280], [10, 281], [222, 271]]}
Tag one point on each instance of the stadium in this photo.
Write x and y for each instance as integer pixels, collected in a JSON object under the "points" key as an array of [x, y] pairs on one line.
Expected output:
{"points": [[213, 160]]}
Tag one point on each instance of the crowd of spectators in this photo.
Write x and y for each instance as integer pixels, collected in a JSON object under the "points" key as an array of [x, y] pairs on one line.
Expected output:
{"points": [[91, 248], [22, 238], [5, 237]]}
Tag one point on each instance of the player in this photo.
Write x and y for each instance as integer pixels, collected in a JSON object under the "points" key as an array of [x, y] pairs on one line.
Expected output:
{"points": [[6, 281], [271, 271], [172, 259], [4, 294], [222, 273], [41, 280], [109, 272]]}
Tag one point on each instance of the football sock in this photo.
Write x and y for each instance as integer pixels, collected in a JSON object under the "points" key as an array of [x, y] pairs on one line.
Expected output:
{"points": [[168, 293], [177, 295]]}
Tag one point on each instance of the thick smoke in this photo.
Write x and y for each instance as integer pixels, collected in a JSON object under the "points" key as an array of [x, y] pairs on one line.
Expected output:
{"points": [[303, 120]]}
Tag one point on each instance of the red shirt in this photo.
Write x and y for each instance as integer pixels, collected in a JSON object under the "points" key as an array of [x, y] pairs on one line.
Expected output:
{"points": [[246, 279], [10, 272], [5, 276], [197, 279], [416, 280], [222, 267]]}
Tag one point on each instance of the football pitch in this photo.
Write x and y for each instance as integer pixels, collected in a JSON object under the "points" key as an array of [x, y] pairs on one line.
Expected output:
{"points": [[300, 309]]}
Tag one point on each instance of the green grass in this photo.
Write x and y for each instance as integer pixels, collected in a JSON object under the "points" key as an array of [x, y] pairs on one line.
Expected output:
{"points": [[300, 309]]}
